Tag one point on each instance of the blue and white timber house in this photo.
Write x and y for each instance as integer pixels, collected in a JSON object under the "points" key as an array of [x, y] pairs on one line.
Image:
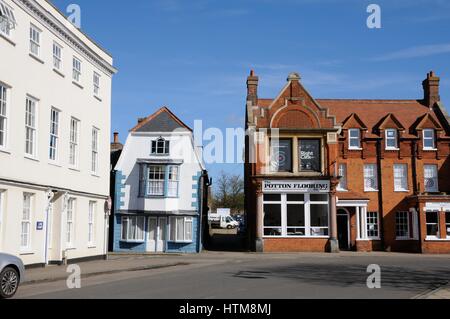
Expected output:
{"points": [[158, 196]]}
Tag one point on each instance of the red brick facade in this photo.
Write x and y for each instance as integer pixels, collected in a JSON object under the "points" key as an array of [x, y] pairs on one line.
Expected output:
{"points": [[391, 205]]}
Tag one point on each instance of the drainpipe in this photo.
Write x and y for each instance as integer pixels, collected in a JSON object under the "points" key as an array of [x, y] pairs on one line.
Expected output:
{"points": [[203, 182], [380, 194]]}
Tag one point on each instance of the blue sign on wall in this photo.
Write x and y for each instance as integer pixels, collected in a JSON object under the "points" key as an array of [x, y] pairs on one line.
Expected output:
{"points": [[39, 225]]}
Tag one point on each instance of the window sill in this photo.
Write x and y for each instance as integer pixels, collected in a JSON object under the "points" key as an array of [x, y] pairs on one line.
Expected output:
{"points": [[181, 241], [75, 169], [368, 239], [58, 72], [132, 241], [401, 191], [31, 158], [98, 98], [77, 84], [70, 248], [4, 150], [95, 175], [355, 148], [8, 39], [341, 190], [405, 239], [371, 191], [429, 238], [56, 164], [36, 58], [92, 246], [26, 253], [297, 237], [429, 149], [392, 149]]}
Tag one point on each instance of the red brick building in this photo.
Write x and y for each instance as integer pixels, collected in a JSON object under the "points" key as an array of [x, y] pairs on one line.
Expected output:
{"points": [[334, 174]]}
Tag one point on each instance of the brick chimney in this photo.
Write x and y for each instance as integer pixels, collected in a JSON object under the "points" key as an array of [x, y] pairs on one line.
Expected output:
{"points": [[116, 145], [431, 89], [252, 88], [116, 137], [141, 119]]}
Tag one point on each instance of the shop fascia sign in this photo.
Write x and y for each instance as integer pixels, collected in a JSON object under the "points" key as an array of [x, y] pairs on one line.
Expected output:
{"points": [[296, 186]]}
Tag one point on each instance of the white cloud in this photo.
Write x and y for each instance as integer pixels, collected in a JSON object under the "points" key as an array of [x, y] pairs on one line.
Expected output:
{"points": [[415, 52]]}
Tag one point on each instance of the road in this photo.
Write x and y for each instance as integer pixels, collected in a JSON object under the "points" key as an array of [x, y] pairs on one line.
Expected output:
{"points": [[262, 276]]}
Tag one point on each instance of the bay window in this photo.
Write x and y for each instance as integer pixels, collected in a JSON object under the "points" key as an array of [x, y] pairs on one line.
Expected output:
{"points": [[429, 139], [281, 155], [400, 177], [155, 181], [370, 178], [181, 229], [432, 222], [354, 138], [431, 178], [391, 139], [296, 215], [133, 228], [309, 155], [159, 180], [173, 181]]}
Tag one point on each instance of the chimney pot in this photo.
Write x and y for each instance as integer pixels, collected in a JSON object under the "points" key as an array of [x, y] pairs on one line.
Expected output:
{"points": [[116, 137], [252, 88]]}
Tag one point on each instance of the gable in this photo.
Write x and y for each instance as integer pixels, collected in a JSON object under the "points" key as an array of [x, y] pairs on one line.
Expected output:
{"points": [[389, 121], [161, 121], [353, 121], [427, 121]]}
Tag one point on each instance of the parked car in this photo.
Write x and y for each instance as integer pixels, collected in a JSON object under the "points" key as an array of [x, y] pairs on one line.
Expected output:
{"points": [[12, 271]]}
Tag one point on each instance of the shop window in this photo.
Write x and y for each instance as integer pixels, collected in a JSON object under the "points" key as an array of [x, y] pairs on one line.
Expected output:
{"points": [[181, 229], [133, 228], [272, 220], [281, 155], [319, 220], [432, 221], [296, 220], [309, 155], [295, 197]]}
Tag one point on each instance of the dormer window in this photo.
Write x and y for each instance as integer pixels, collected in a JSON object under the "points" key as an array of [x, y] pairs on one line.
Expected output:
{"points": [[391, 139], [429, 139], [354, 138], [160, 147]]}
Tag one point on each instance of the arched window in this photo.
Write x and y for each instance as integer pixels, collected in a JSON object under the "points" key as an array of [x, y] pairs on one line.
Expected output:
{"points": [[160, 147]]}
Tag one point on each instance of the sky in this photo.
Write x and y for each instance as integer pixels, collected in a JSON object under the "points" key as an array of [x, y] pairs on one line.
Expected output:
{"points": [[194, 55]]}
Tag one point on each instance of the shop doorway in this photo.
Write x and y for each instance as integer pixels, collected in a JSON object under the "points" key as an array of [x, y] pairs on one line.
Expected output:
{"points": [[157, 228], [343, 227]]}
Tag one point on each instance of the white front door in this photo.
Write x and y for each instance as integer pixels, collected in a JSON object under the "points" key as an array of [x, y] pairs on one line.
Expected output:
{"points": [[162, 226], [152, 234]]}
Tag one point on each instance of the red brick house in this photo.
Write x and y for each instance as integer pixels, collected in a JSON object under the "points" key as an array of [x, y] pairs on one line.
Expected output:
{"points": [[335, 174]]}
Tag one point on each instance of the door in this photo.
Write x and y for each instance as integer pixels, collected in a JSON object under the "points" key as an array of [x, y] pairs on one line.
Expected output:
{"points": [[152, 234], [343, 225], [162, 226]]}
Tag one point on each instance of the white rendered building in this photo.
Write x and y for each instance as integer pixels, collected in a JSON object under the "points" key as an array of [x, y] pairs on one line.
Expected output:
{"points": [[55, 110]]}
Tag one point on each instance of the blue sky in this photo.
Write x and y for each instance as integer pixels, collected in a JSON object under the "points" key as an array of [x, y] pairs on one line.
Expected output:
{"points": [[194, 55]]}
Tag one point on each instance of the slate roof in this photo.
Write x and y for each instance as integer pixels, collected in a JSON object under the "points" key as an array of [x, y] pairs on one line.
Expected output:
{"points": [[162, 120]]}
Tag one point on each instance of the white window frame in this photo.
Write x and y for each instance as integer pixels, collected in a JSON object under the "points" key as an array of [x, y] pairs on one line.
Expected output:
{"points": [[4, 112], [343, 182], [7, 19], [370, 217], [70, 222], [433, 237], [53, 153], [94, 150], [188, 224], [352, 138], [134, 238], [158, 183], [374, 169], [309, 229], [35, 40], [76, 69], [27, 221], [391, 138], [74, 134], [96, 84], [428, 177], [173, 181], [159, 144], [91, 223], [57, 56], [31, 126], [432, 139], [400, 177]]}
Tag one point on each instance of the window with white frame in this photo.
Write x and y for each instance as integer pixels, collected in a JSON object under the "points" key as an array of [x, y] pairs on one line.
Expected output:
{"points": [[343, 174], [432, 222], [91, 222], [370, 178], [373, 226], [173, 181], [354, 138], [3, 115], [73, 144], [7, 19], [431, 178], [25, 235], [181, 229], [30, 126], [296, 215], [156, 179], [76, 69], [429, 139], [402, 225], [400, 177], [70, 222], [94, 156], [391, 139], [35, 40], [160, 147], [54, 134], [57, 56], [96, 80], [133, 228]]}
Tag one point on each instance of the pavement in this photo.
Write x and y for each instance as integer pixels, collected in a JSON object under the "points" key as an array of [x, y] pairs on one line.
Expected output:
{"points": [[240, 275]]}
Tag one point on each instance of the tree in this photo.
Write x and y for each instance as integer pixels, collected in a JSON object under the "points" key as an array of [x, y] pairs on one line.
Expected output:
{"points": [[228, 193]]}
